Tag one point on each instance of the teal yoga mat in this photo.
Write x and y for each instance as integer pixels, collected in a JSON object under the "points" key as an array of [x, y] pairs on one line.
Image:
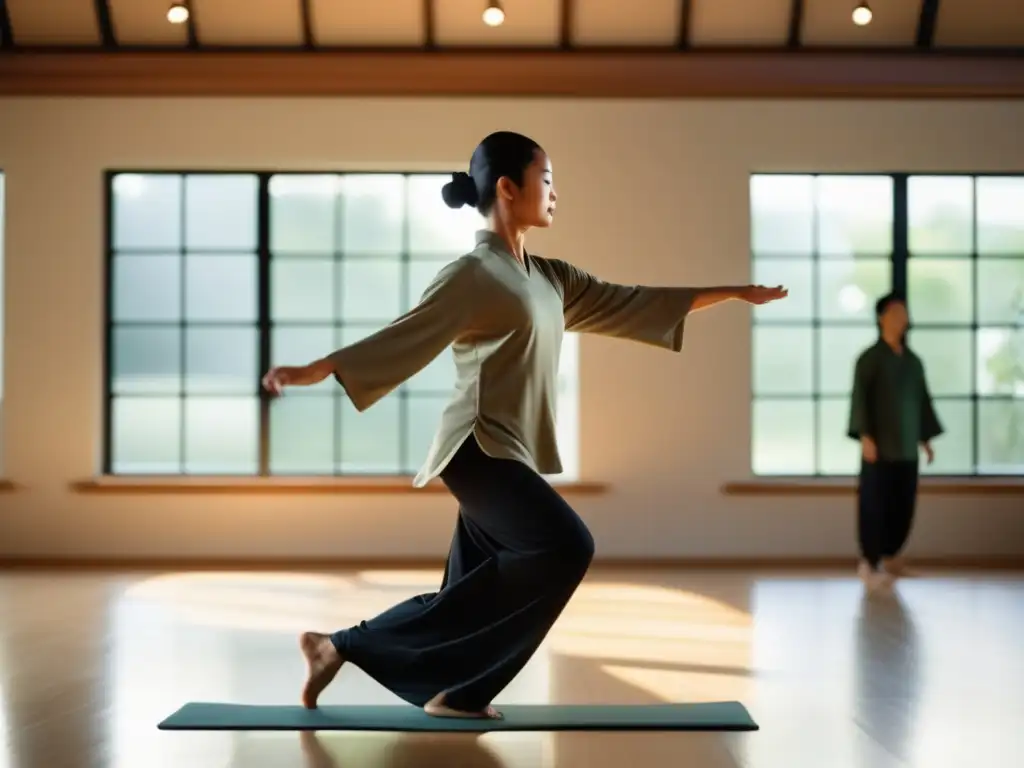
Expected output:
{"points": [[710, 716]]}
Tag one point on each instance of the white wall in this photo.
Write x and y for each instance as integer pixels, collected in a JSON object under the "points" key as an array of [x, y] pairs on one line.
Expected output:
{"points": [[2, 272], [649, 192]]}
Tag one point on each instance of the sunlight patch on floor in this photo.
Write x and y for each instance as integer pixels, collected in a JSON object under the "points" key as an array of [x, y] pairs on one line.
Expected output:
{"points": [[635, 623], [259, 602], [427, 580]]}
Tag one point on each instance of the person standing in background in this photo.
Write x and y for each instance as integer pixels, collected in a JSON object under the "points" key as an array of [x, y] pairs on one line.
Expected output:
{"points": [[892, 415]]}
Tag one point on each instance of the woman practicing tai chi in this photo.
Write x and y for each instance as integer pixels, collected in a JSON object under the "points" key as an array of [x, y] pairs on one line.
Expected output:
{"points": [[519, 551]]}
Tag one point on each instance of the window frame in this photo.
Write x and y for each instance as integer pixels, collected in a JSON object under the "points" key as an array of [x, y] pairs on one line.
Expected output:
{"points": [[899, 260], [263, 323]]}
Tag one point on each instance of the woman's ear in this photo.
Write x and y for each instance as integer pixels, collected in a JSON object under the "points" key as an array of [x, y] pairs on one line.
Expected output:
{"points": [[505, 188]]}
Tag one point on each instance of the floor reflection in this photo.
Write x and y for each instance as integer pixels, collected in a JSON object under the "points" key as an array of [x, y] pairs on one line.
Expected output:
{"points": [[887, 663], [360, 750]]}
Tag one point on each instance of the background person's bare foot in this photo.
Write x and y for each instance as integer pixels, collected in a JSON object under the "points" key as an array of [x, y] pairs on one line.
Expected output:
{"points": [[437, 708], [322, 663], [897, 566]]}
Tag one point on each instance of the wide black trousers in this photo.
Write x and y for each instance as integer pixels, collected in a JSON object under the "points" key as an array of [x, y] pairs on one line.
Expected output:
{"points": [[518, 553], [886, 499]]}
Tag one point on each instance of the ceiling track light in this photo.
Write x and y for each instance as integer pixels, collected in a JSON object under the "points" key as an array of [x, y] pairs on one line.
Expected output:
{"points": [[494, 14], [862, 14]]}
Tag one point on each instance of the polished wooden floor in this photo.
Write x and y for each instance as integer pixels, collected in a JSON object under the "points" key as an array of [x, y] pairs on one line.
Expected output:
{"points": [[929, 675]]}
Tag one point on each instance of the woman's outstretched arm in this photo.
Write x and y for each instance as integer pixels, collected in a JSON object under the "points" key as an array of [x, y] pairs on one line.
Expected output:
{"points": [[648, 314], [374, 366]]}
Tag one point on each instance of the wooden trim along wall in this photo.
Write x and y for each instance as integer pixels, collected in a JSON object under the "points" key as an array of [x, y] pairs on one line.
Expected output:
{"points": [[341, 565], [291, 486], [145, 486], [939, 487], [805, 73]]}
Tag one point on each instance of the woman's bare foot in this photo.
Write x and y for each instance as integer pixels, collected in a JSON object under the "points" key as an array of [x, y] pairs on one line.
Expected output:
{"points": [[322, 662], [315, 753], [437, 708]]}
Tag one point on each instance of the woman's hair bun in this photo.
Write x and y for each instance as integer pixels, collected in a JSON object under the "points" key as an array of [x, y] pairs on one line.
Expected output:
{"points": [[460, 191]]}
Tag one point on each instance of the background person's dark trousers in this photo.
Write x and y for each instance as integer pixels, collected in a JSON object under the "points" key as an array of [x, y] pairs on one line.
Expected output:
{"points": [[887, 498]]}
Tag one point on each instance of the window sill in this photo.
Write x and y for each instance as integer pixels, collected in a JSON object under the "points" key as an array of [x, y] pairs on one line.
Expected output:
{"points": [[109, 484], [847, 487]]}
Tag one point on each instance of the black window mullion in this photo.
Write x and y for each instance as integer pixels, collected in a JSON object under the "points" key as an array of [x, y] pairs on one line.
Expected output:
{"points": [[816, 328], [182, 325], [900, 235], [108, 331], [336, 325], [403, 392], [263, 318], [975, 423]]}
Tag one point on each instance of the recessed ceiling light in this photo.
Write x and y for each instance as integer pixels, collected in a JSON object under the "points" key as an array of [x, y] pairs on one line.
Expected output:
{"points": [[494, 14], [177, 13], [862, 15]]}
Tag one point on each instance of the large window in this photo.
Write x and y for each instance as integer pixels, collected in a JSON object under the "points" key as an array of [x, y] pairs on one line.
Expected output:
{"points": [[215, 277], [954, 245]]}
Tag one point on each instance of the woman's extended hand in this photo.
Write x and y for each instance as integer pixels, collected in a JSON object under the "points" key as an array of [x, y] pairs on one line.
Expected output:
{"points": [[759, 294], [752, 294], [276, 379], [279, 377]]}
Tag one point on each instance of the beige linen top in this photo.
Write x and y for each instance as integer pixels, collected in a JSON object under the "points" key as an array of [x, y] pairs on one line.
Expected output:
{"points": [[505, 324]]}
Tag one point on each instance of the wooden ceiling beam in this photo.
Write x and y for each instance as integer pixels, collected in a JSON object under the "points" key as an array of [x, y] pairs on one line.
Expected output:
{"points": [[796, 23], [532, 73], [926, 23], [105, 22], [6, 32], [685, 20], [429, 24], [566, 23], [306, 14], [191, 27]]}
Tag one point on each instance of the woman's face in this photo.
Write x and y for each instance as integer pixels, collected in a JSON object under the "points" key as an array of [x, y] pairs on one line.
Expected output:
{"points": [[533, 204]]}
